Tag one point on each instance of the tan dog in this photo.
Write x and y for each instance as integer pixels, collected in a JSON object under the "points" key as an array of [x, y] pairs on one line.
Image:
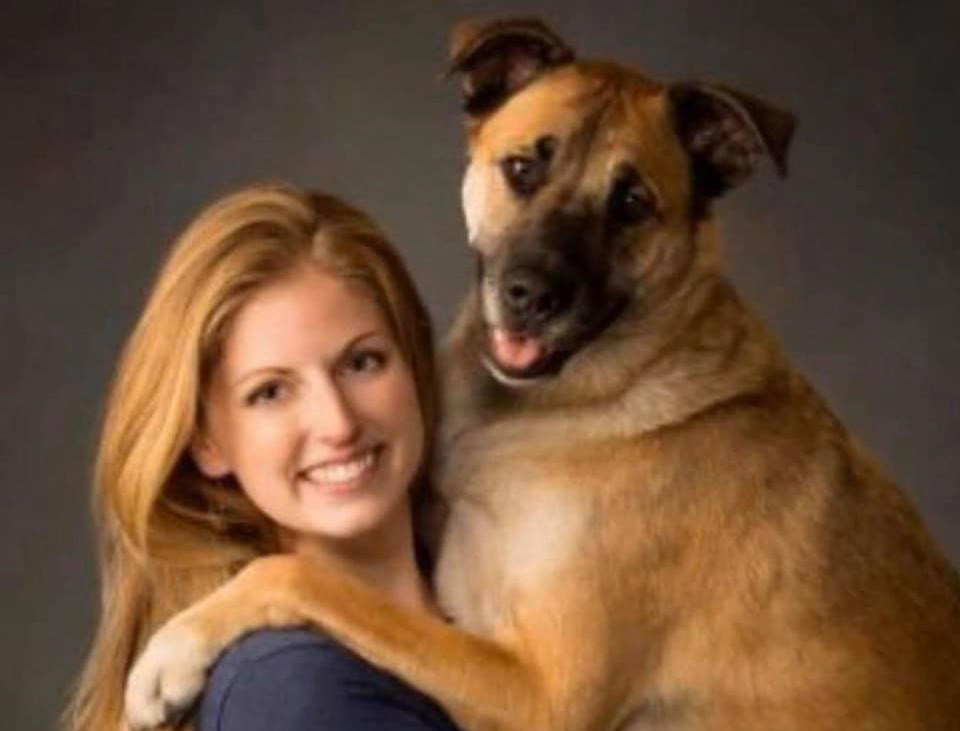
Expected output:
{"points": [[655, 523]]}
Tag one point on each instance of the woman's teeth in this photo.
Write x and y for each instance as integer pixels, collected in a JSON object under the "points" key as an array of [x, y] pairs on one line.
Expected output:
{"points": [[341, 472]]}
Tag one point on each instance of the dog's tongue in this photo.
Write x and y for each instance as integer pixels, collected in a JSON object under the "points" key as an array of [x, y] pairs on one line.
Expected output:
{"points": [[514, 351]]}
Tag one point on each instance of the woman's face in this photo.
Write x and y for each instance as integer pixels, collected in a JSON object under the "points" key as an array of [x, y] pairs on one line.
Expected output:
{"points": [[314, 410]]}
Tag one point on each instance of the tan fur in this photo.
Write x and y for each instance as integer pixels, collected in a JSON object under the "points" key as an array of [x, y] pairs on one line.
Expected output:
{"points": [[672, 533]]}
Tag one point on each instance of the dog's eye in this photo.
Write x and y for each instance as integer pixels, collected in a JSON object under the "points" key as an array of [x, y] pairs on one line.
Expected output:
{"points": [[523, 174], [545, 147], [631, 202]]}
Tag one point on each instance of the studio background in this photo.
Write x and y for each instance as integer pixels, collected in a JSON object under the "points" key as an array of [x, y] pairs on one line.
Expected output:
{"points": [[121, 119]]}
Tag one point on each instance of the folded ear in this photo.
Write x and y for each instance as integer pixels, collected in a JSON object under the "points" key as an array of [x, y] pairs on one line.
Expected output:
{"points": [[496, 58], [726, 132]]}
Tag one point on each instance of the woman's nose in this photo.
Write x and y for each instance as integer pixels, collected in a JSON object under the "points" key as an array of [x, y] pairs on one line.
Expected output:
{"points": [[333, 419]]}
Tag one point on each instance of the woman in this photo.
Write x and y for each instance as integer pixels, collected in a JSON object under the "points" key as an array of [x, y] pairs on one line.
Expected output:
{"points": [[275, 395]]}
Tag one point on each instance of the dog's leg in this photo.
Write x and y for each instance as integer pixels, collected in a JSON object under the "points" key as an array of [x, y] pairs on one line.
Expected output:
{"points": [[483, 684]]}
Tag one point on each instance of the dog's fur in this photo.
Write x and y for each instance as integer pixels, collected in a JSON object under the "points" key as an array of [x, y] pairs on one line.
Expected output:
{"points": [[654, 522]]}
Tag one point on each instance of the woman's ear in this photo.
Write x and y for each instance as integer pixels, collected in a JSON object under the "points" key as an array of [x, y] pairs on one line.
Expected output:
{"points": [[208, 457]]}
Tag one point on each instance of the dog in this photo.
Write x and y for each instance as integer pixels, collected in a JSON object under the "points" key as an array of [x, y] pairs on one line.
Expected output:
{"points": [[654, 521]]}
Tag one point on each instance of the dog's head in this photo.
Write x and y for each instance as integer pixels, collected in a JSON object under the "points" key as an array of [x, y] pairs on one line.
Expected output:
{"points": [[585, 184]]}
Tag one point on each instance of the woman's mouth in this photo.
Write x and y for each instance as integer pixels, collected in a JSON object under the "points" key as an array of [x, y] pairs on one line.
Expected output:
{"points": [[343, 474]]}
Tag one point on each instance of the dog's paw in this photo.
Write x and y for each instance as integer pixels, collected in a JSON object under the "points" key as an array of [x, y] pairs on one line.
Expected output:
{"points": [[167, 678]]}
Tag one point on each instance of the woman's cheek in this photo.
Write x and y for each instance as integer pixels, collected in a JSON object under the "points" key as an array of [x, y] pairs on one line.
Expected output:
{"points": [[271, 443]]}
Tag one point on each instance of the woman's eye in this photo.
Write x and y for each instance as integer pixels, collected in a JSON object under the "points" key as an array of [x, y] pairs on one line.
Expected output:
{"points": [[366, 361], [270, 392]]}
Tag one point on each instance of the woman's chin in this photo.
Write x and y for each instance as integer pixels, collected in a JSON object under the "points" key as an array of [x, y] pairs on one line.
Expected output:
{"points": [[359, 520]]}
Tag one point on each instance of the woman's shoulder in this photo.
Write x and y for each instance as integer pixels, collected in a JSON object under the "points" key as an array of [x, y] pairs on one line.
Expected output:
{"points": [[266, 643], [260, 671], [294, 679]]}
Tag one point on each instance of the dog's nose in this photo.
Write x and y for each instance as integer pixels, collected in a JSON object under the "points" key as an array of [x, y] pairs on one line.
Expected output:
{"points": [[531, 297]]}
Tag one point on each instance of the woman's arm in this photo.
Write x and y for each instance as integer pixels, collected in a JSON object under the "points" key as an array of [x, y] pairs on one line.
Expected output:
{"points": [[295, 680]]}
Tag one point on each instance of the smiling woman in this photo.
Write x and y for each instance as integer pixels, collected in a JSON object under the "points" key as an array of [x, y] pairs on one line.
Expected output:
{"points": [[275, 396], [313, 410]]}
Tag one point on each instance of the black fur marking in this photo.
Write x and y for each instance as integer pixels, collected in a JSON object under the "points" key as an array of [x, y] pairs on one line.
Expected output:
{"points": [[501, 57]]}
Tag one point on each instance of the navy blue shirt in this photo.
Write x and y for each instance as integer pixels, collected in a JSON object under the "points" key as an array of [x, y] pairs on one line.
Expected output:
{"points": [[297, 680]]}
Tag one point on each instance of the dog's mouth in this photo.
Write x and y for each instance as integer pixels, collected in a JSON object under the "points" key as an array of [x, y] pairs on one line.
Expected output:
{"points": [[518, 359], [515, 352], [530, 339]]}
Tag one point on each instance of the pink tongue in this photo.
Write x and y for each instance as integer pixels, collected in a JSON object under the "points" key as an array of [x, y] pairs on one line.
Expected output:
{"points": [[514, 351]]}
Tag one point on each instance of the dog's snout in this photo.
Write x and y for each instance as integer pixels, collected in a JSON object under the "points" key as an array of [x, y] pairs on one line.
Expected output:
{"points": [[531, 297]]}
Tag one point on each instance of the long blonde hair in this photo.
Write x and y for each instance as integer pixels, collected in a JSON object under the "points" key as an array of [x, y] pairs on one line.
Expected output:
{"points": [[167, 534]]}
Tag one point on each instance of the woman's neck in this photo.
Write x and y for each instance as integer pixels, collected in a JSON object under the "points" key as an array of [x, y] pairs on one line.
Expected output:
{"points": [[384, 559]]}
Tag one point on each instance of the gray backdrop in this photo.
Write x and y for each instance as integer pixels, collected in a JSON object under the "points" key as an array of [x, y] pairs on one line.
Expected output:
{"points": [[120, 119]]}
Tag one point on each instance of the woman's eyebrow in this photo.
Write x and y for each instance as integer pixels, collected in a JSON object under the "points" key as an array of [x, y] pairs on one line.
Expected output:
{"points": [[361, 337]]}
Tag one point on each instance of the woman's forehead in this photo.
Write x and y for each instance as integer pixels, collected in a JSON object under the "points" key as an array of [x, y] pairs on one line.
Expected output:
{"points": [[307, 314]]}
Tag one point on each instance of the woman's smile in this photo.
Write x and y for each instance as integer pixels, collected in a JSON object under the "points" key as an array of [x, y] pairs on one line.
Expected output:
{"points": [[346, 474]]}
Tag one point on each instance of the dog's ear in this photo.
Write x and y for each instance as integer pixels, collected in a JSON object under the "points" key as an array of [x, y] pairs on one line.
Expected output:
{"points": [[498, 57], [726, 132]]}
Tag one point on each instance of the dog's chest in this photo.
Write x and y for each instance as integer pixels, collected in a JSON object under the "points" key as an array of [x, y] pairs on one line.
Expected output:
{"points": [[506, 544]]}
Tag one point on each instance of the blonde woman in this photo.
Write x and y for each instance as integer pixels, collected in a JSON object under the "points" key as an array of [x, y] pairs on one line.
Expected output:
{"points": [[276, 394]]}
